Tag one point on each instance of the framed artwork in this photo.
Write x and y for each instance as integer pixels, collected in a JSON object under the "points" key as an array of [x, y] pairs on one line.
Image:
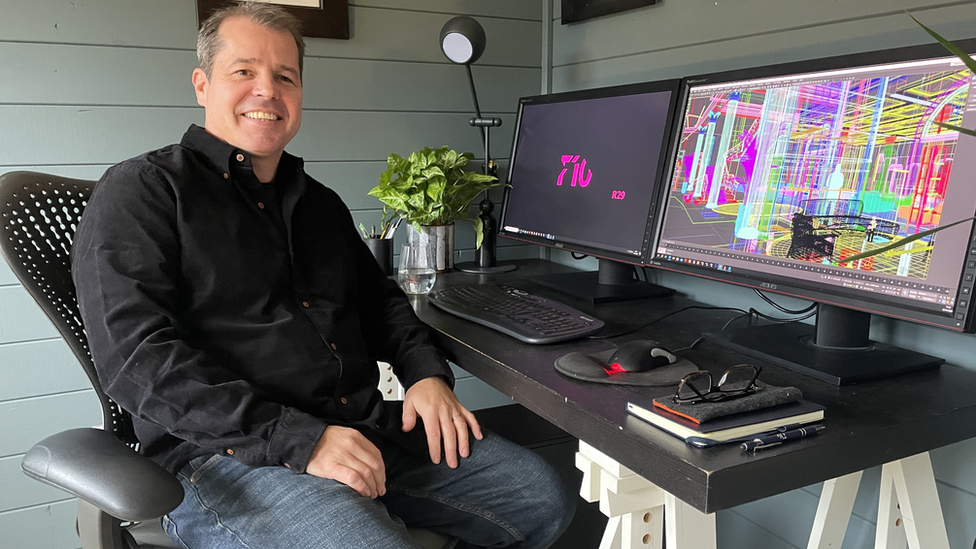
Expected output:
{"points": [[320, 18], [579, 10]]}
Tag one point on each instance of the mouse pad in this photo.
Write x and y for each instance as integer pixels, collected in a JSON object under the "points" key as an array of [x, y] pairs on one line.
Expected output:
{"points": [[590, 368]]}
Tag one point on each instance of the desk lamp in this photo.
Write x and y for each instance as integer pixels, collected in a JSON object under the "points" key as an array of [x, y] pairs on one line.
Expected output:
{"points": [[463, 41]]}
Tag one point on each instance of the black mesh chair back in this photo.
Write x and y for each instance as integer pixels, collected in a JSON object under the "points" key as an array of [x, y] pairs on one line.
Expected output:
{"points": [[39, 214]]}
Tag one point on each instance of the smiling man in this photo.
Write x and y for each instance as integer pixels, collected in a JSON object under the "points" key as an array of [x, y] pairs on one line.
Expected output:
{"points": [[252, 91], [233, 310]]}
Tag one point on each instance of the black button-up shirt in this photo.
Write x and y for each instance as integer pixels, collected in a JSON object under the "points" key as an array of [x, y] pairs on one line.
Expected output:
{"points": [[240, 318]]}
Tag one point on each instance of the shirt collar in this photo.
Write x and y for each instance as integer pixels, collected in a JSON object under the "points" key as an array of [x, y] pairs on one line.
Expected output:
{"points": [[228, 159]]}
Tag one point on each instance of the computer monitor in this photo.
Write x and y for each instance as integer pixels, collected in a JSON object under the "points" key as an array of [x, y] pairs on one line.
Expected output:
{"points": [[585, 173], [779, 174]]}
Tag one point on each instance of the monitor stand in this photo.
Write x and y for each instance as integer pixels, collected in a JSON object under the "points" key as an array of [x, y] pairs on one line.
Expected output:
{"points": [[613, 282], [837, 350]]}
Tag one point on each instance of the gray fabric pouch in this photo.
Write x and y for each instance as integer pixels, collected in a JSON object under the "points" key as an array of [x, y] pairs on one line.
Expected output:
{"points": [[765, 397]]}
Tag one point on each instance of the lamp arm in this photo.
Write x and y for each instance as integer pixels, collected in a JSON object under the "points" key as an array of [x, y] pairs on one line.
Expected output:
{"points": [[474, 94], [477, 107]]}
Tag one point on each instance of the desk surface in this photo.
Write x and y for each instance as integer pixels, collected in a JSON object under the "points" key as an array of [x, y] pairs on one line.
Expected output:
{"points": [[867, 424]]}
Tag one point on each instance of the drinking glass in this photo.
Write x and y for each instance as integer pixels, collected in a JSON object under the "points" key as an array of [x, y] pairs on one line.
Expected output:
{"points": [[417, 268]]}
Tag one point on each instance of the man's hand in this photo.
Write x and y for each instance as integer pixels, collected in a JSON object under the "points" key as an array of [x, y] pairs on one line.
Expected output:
{"points": [[444, 418], [346, 456]]}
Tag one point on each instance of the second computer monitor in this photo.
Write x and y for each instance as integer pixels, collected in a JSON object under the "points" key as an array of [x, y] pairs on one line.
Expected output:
{"points": [[782, 175], [585, 174]]}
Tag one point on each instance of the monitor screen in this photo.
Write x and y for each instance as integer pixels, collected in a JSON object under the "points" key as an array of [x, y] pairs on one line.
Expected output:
{"points": [[585, 167], [778, 175]]}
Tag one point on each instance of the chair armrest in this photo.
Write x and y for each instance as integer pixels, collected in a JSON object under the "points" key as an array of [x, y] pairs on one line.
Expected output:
{"points": [[97, 467]]}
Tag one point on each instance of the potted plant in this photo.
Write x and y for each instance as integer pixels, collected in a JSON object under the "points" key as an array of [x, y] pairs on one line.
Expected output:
{"points": [[430, 190]]}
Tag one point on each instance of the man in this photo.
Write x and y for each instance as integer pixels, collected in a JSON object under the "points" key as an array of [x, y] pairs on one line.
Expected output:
{"points": [[233, 310]]}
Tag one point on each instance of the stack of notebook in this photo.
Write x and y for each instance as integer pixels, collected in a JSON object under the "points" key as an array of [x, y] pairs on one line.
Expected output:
{"points": [[707, 423]]}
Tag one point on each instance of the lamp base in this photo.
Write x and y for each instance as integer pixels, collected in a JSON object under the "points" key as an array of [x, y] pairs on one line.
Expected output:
{"points": [[473, 267]]}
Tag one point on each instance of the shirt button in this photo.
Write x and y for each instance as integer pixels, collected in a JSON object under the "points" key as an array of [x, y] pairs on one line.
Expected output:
{"points": [[261, 205], [226, 176], [240, 157], [230, 451], [305, 304], [333, 346], [344, 400]]}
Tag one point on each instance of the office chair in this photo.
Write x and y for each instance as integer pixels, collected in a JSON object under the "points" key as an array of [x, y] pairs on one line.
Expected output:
{"points": [[114, 484], [121, 494]]}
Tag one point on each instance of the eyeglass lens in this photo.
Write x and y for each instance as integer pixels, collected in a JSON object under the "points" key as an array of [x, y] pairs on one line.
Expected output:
{"points": [[695, 385], [737, 378]]}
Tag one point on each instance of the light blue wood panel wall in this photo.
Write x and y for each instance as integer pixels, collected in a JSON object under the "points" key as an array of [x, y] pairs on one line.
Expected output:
{"points": [[688, 37], [675, 39], [84, 85]]}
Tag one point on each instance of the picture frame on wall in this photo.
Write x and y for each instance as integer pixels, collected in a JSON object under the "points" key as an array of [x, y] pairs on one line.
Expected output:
{"points": [[320, 18], [581, 10]]}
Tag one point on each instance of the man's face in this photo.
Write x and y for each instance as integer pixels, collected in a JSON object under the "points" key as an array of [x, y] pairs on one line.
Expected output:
{"points": [[253, 99]]}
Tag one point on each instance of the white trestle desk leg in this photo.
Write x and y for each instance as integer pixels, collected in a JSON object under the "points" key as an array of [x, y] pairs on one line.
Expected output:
{"points": [[911, 510], [687, 527], [389, 385], [834, 512], [891, 528], [640, 511]]}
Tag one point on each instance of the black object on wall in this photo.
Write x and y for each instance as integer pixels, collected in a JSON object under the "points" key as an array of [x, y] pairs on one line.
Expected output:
{"points": [[329, 20], [579, 10]]}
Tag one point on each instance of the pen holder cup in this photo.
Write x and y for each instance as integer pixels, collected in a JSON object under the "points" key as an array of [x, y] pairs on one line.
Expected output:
{"points": [[382, 249]]}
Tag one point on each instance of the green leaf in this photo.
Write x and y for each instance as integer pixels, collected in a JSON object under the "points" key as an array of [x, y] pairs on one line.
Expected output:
{"points": [[949, 46], [435, 191], [901, 242], [450, 159], [959, 129], [479, 233]]}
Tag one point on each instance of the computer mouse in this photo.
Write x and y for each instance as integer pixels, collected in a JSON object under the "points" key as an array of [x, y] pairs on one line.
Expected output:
{"points": [[639, 355]]}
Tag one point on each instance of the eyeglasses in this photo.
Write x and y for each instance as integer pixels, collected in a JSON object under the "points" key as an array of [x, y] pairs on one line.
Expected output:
{"points": [[737, 381]]}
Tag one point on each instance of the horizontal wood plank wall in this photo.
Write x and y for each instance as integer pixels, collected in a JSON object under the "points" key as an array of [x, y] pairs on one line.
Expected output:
{"points": [[677, 38], [84, 85]]}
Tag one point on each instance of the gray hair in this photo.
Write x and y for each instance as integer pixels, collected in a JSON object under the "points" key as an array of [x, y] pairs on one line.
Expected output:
{"points": [[267, 15]]}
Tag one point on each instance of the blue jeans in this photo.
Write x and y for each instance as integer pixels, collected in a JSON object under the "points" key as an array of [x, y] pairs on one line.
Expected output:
{"points": [[501, 496]]}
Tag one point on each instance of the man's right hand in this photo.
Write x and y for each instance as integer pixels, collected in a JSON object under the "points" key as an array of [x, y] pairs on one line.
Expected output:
{"points": [[346, 456]]}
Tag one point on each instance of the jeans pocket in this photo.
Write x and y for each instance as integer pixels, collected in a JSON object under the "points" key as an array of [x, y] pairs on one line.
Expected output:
{"points": [[200, 468]]}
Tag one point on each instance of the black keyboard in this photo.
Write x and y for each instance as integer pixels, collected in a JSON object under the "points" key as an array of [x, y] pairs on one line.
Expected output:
{"points": [[524, 316]]}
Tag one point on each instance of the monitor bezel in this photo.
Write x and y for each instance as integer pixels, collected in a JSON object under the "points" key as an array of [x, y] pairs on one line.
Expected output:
{"points": [[674, 86], [830, 295]]}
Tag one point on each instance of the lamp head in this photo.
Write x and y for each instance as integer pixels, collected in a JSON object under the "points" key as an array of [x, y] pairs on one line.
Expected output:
{"points": [[463, 40]]}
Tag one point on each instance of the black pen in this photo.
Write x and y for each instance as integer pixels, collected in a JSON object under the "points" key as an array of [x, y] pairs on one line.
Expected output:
{"points": [[775, 439]]}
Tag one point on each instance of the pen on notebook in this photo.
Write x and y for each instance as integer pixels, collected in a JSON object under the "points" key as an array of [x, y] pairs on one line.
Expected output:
{"points": [[775, 439]]}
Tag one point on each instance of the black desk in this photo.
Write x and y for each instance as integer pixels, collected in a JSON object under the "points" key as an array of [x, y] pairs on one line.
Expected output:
{"points": [[867, 424]]}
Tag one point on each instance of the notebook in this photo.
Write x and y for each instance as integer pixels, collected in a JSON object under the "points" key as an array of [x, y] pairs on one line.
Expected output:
{"points": [[730, 428]]}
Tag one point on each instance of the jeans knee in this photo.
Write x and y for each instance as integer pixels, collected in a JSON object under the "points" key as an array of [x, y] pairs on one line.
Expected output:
{"points": [[562, 510], [552, 506]]}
